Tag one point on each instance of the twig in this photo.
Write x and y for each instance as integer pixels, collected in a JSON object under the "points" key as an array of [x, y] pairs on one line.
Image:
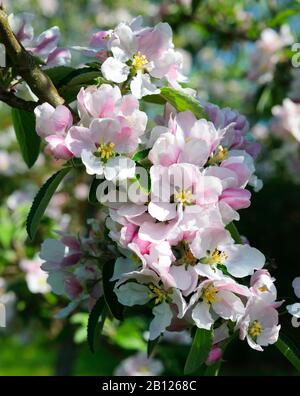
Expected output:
{"points": [[26, 65], [13, 101]]}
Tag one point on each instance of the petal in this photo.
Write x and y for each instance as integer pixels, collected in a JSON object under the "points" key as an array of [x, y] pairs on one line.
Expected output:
{"points": [[79, 138], [243, 260], [141, 86], [122, 266], [202, 316], [93, 165], [162, 319], [119, 168], [114, 70], [228, 305], [132, 293]]}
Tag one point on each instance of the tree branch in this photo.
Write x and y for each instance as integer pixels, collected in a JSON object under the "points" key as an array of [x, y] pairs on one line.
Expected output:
{"points": [[13, 101], [26, 65]]}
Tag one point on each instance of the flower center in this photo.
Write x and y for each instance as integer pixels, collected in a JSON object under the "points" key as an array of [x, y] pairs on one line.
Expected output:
{"points": [[106, 150], [255, 329], [185, 197], [159, 294], [216, 257], [186, 256], [219, 156], [139, 61], [263, 289], [209, 294]]}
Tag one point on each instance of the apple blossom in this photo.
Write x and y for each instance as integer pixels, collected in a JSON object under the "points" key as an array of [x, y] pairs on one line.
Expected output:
{"points": [[259, 325], [139, 364], [145, 55]]}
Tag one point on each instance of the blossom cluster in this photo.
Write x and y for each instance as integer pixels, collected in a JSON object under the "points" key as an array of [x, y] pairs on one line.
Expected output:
{"points": [[171, 234]]}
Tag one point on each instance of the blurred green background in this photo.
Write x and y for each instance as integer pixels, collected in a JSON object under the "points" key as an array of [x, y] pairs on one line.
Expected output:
{"points": [[217, 38]]}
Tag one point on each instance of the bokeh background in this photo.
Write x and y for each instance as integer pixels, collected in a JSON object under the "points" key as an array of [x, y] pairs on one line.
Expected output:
{"points": [[218, 39]]}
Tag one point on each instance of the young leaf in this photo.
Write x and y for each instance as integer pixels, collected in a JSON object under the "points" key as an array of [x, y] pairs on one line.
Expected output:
{"points": [[111, 299], [234, 232], [28, 139], [289, 350], [151, 346], [42, 200], [199, 351], [140, 155], [93, 322], [182, 101]]}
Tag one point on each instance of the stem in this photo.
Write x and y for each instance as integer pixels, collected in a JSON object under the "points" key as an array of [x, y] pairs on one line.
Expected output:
{"points": [[26, 65], [13, 101]]}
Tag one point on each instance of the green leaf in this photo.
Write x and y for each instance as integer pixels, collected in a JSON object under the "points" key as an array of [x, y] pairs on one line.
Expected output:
{"points": [[28, 139], [93, 189], [234, 232], [151, 346], [289, 350], [59, 73], [155, 99], [213, 369], [42, 200], [182, 101], [199, 351], [111, 299], [140, 155], [72, 83], [93, 322]]}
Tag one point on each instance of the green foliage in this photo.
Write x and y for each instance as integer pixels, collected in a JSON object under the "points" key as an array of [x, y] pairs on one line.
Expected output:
{"points": [[289, 350], [182, 101], [199, 351], [29, 141], [234, 232], [42, 200], [94, 328], [111, 299]]}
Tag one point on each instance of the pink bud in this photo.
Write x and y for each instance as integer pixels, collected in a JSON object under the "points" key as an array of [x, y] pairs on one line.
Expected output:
{"points": [[214, 355]]}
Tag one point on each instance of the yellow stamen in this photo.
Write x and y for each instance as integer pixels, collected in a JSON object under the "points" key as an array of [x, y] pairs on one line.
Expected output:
{"points": [[209, 294], [255, 329], [216, 257], [263, 289], [219, 156], [106, 150], [185, 197], [159, 294], [139, 61]]}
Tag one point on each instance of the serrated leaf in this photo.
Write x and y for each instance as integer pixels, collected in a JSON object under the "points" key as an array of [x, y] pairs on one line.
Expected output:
{"points": [[28, 139], [234, 233], [93, 322], [183, 102], [199, 351], [289, 350], [42, 200], [151, 346], [111, 299]]}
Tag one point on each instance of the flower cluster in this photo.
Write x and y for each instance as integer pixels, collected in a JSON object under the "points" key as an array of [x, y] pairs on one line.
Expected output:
{"points": [[170, 209]]}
